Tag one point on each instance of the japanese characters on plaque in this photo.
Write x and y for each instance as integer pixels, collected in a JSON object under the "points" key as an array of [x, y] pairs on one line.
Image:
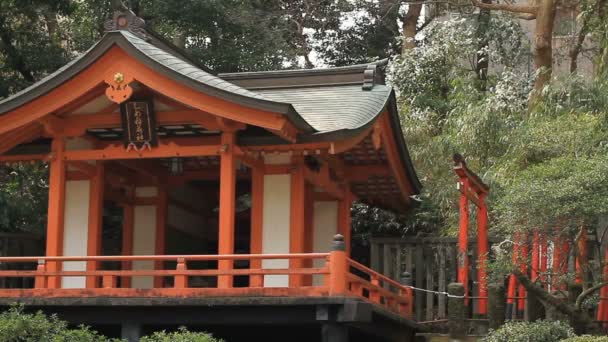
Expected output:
{"points": [[139, 125]]}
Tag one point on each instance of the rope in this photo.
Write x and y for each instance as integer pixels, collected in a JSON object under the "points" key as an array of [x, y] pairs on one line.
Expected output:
{"points": [[435, 292]]}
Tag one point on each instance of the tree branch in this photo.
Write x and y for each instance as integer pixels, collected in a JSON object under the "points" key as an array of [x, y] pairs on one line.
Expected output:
{"points": [[581, 298], [506, 7]]}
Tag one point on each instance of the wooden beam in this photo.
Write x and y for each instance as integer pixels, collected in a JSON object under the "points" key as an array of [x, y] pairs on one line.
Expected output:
{"points": [[114, 152], [361, 173], [22, 135], [94, 237], [323, 180], [76, 125], [56, 209], [84, 167], [24, 158], [394, 157], [227, 206]]}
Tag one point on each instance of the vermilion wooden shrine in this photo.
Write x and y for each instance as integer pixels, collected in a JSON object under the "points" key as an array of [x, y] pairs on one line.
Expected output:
{"points": [[230, 187]]}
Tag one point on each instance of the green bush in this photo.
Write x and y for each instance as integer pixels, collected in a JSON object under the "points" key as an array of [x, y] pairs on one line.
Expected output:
{"points": [[587, 338], [17, 326], [182, 335], [540, 331]]}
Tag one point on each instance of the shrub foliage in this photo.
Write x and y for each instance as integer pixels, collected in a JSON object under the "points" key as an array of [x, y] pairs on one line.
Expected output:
{"points": [[540, 331]]}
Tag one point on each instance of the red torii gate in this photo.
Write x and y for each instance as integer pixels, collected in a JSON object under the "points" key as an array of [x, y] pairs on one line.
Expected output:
{"points": [[473, 189]]}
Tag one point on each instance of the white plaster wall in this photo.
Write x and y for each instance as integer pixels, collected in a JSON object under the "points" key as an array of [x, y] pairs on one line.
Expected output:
{"points": [[76, 228], [144, 236], [275, 229], [325, 222]]}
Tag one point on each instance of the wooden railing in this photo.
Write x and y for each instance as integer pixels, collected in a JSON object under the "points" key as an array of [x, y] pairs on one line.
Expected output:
{"points": [[173, 275]]}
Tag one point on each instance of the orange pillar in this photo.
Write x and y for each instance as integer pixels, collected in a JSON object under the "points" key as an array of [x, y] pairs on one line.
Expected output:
{"points": [[482, 252], [557, 261], [96, 195], [56, 209], [257, 221], [511, 291], [227, 207], [544, 260], [162, 206], [463, 238], [523, 268], [297, 218], [128, 220], [344, 219], [581, 258], [602, 311], [534, 270]]}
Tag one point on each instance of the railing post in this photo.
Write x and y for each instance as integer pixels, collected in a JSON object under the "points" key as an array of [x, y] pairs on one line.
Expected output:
{"points": [[456, 311], [108, 281], [496, 305], [337, 267], [40, 280], [407, 308], [181, 280], [374, 295]]}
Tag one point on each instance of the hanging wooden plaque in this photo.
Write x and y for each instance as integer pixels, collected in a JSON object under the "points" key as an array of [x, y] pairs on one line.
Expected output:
{"points": [[139, 125]]}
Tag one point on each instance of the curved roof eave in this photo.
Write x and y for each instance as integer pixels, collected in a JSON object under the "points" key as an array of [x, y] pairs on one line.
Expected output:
{"points": [[110, 39]]}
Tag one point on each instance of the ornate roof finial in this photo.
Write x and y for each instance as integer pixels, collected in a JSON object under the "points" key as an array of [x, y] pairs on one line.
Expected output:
{"points": [[125, 19]]}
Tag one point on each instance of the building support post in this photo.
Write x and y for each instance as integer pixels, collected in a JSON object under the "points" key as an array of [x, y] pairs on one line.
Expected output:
{"points": [[257, 222], [56, 209], [482, 254], [463, 237], [523, 268], [297, 218], [96, 196], [162, 207], [128, 220], [344, 219], [227, 207]]}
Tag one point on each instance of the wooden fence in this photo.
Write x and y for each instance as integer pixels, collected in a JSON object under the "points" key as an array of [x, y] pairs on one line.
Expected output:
{"points": [[432, 264]]}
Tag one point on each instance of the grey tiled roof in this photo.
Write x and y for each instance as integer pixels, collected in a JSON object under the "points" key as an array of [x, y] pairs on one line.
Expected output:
{"points": [[332, 108], [185, 68]]}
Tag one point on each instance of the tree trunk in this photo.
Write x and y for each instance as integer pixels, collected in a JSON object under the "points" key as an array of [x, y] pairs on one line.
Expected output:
{"points": [[578, 45], [543, 47], [410, 26], [483, 62]]}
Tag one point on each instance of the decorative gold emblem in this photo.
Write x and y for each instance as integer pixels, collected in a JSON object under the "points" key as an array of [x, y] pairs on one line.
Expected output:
{"points": [[118, 90], [119, 77]]}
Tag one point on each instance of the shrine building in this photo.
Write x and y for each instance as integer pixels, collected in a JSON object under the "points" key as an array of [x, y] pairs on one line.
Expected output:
{"points": [[178, 196]]}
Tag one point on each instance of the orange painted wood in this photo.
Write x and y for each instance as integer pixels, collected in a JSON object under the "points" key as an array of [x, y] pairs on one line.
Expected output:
{"points": [[76, 125], [338, 268], [108, 282], [56, 208], [257, 221], [523, 268], [116, 60], [482, 255], [162, 207], [167, 292], [115, 152], [394, 157], [463, 238], [277, 169], [192, 257], [297, 216], [582, 257], [77, 176], [128, 220], [23, 135], [23, 158], [40, 279], [181, 281], [344, 220], [227, 206], [309, 230], [94, 236]]}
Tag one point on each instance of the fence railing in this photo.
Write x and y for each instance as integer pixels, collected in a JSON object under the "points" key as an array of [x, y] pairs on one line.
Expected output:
{"points": [[175, 275]]}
